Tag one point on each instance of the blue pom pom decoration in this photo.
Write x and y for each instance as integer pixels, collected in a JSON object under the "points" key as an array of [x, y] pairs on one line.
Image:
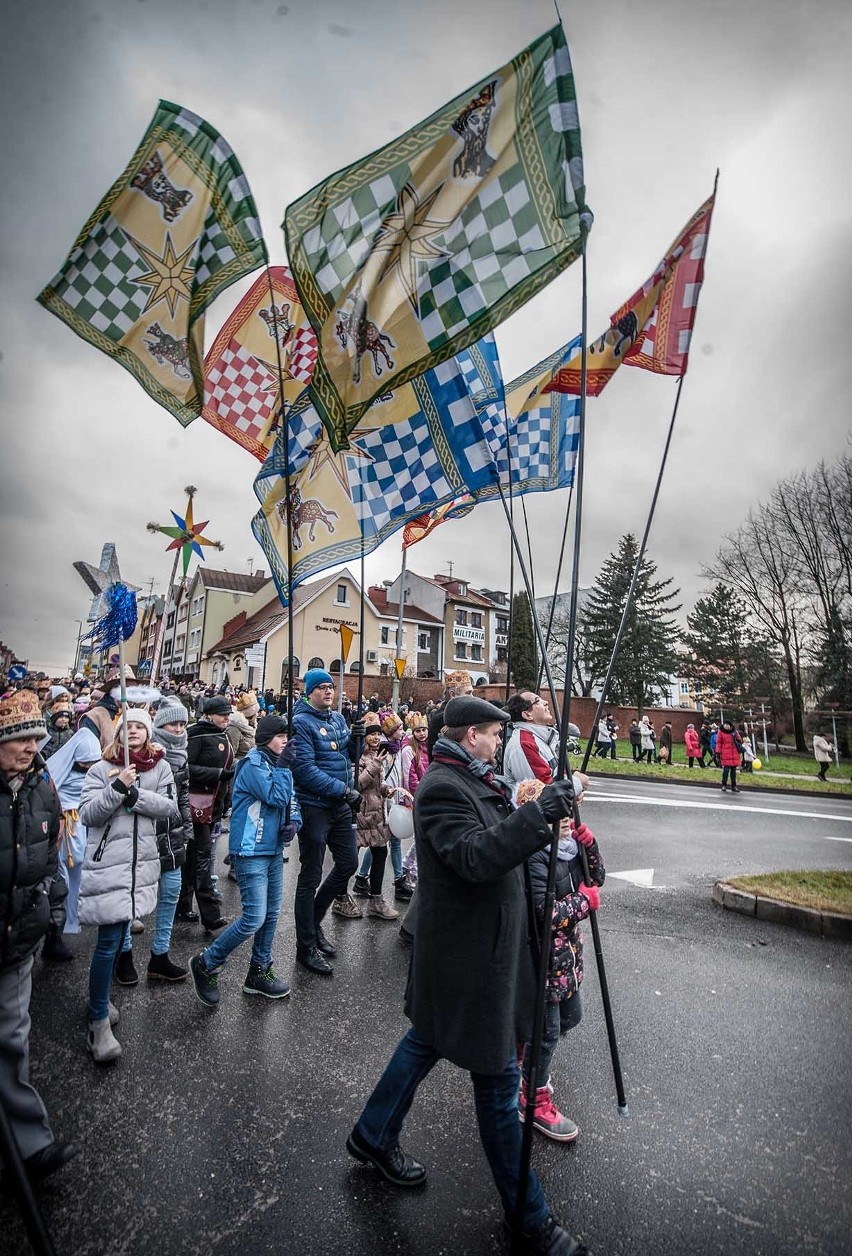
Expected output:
{"points": [[119, 623]]}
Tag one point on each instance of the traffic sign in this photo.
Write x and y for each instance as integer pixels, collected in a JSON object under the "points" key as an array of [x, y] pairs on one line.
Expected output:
{"points": [[346, 635], [399, 664], [17, 672]]}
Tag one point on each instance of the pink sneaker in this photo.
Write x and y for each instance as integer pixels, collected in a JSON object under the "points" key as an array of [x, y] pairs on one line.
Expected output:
{"points": [[547, 1119]]}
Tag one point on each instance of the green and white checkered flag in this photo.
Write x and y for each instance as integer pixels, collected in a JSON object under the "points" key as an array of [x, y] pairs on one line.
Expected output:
{"points": [[177, 227], [413, 253]]}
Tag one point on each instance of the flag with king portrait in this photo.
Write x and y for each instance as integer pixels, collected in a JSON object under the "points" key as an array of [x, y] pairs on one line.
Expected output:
{"points": [[417, 447], [652, 329], [177, 227], [415, 252]]}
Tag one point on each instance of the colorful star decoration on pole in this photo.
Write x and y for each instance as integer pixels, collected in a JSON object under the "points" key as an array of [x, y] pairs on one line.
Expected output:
{"points": [[186, 535]]}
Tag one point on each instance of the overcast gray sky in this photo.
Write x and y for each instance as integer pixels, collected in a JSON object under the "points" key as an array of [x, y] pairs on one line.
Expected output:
{"points": [[668, 90]]}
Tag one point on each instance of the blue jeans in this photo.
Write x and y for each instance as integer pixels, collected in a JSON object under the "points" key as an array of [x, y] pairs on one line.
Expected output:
{"points": [[395, 855], [261, 882], [322, 827], [167, 901], [106, 950], [558, 1019], [496, 1100]]}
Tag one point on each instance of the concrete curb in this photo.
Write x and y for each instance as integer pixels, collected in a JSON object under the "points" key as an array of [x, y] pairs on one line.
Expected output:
{"points": [[825, 924]]}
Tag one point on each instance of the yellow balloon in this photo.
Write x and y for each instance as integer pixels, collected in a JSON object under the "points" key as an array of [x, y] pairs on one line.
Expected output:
{"points": [[757, 765]]}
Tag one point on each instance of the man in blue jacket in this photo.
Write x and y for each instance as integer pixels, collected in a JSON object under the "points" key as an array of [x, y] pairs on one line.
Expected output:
{"points": [[264, 818], [322, 768]]}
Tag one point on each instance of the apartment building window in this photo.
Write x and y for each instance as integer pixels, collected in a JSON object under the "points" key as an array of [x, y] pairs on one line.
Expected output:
{"points": [[170, 620], [341, 598], [502, 623], [502, 654], [316, 662], [197, 605], [423, 641], [179, 643], [461, 617], [167, 649], [383, 635], [475, 619], [184, 611], [476, 653], [461, 649]]}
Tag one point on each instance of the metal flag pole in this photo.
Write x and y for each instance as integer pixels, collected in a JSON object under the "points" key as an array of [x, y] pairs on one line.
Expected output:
{"points": [[284, 436], [531, 1070], [549, 631]]}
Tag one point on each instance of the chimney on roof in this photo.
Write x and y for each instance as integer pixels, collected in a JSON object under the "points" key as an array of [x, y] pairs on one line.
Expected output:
{"points": [[261, 573], [387, 584]]}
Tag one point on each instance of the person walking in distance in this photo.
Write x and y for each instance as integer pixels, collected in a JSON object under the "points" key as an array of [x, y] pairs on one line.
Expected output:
{"points": [[471, 983], [728, 754], [692, 746], [322, 771], [823, 750]]}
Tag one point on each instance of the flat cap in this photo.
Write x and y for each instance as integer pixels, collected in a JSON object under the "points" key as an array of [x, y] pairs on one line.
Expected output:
{"points": [[218, 705], [464, 711]]}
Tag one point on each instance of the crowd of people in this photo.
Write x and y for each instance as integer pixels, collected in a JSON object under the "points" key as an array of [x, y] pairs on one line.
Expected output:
{"points": [[120, 795], [117, 796]]}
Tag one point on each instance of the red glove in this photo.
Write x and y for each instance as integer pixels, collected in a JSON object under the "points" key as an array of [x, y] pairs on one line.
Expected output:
{"points": [[591, 894], [584, 835]]}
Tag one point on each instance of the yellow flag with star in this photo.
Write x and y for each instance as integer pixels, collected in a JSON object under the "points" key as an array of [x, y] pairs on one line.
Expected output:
{"points": [[177, 226], [415, 252]]}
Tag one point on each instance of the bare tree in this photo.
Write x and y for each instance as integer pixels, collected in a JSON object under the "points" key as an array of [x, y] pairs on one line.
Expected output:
{"points": [[761, 565]]}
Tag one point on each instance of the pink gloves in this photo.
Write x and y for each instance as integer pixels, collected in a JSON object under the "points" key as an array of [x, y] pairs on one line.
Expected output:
{"points": [[591, 894], [583, 835]]}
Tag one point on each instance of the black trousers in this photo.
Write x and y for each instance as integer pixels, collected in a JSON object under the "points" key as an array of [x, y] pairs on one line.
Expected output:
{"points": [[195, 877]]}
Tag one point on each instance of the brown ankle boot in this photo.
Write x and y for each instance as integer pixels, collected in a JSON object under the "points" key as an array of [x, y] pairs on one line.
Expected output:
{"points": [[378, 907]]}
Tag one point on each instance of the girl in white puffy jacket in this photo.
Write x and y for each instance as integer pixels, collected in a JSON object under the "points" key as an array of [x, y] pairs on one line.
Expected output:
{"points": [[121, 871]]}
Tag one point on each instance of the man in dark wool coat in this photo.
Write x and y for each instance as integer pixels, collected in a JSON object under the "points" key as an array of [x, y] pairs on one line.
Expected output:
{"points": [[471, 985]]}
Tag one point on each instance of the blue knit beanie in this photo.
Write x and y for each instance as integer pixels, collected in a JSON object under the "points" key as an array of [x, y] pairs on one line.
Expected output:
{"points": [[316, 676]]}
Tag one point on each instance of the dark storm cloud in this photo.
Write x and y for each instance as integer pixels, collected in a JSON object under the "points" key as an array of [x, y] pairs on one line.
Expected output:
{"points": [[667, 92]]}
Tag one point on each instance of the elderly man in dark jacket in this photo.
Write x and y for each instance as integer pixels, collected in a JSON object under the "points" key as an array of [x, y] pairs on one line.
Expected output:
{"points": [[211, 767], [471, 983], [31, 898]]}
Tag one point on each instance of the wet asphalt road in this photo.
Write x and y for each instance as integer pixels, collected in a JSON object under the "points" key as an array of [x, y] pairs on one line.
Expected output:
{"points": [[224, 1132]]}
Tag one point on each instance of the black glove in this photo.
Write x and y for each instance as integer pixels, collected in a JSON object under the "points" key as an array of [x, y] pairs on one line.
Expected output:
{"points": [[287, 757], [358, 729], [287, 833], [353, 798], [557, 800]]}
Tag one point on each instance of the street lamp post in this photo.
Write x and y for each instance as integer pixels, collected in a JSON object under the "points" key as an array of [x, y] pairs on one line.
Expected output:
{"points": [[75, 668]]}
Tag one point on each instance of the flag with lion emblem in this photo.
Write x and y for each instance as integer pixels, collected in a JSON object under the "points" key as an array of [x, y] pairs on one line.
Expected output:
{"points": [[416, 448], [411, 254], [177, 227]]}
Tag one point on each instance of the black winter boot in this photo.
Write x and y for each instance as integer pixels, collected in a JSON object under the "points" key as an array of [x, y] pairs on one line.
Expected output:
{"points": [[54, 950]]}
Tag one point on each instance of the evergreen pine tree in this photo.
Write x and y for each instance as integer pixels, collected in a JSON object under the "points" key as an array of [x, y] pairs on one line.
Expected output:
{"points": [[647, 657], [524, 651], [716, 640]]}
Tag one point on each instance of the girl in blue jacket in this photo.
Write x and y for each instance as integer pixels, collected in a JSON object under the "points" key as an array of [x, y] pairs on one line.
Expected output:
{"points": [[265, 817]]}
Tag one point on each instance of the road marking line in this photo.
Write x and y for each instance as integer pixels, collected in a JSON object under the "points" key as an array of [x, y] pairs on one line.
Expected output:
{"points": [[713, 806]]}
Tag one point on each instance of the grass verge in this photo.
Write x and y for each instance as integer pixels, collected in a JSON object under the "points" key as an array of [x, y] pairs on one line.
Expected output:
{"points": [[682, 775], [826, 891]]}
